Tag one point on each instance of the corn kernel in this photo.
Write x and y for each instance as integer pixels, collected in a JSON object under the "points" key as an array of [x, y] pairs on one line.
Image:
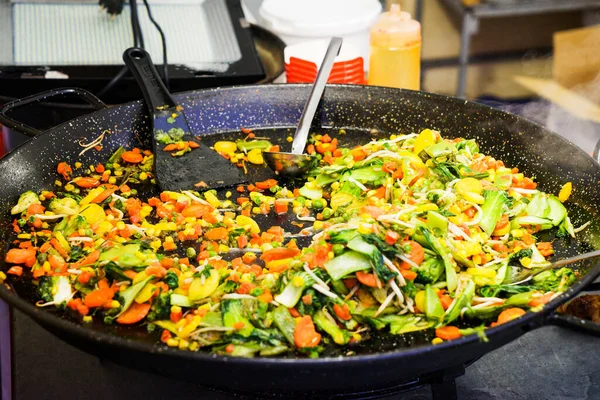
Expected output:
{"points": [[173, 342], [330, 255], [289, 139], [87, 319], [118, 173], [223, 248], [525, 261], [45, 225], [298, 281], [437, 340], [175, 309], [565, 192], [356, 336], [193, 346], [140, 255], [115, 304], [69, 187], [42, 197], [112, 180], [2, 276], [143, 176], [46, 266], [168, 239], [58, 183], [116, 165], [123, 287], [24, 236], [120, 225]]}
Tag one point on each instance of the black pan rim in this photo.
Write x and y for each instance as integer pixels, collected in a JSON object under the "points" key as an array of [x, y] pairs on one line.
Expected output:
{"points": [[530, 321]]}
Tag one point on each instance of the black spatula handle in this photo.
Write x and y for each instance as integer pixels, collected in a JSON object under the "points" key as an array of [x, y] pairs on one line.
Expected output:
{"points": [[141, 66]]}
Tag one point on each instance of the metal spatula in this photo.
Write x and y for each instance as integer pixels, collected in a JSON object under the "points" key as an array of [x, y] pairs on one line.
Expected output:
{"points": [[201, 168], [526, 275]]}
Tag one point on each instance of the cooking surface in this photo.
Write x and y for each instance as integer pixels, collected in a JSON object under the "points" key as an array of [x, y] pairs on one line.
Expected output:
{"points": [[549, 363]]}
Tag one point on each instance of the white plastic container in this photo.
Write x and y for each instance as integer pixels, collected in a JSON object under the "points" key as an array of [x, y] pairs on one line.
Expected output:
{"points": [[297, 21]]}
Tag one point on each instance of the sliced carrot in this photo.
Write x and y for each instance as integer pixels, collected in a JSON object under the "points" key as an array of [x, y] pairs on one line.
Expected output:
{"points": [[349, 283], [86, 183], [65, 170], [279, 253], [416, 255], [342, 312], [57, 263], [305, 334], [509, 314], [18, 271], [98, 297], [132, 157], [445, 300], [21, 256], [245, 288], [366, 278], [193, 145], [135, 313], [502, 223], [35, 209], [408, 274], [217, 234], [545, 248], [158, 271], [373, 211], [448, 332], [89, 259], [85, 277], [103, 196], [358, 154], [281, 207], [538, 301], [196, 210], [268, 184]]}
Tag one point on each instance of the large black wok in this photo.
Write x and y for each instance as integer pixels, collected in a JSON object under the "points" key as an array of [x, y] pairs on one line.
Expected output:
{"points": [[383, 361]]}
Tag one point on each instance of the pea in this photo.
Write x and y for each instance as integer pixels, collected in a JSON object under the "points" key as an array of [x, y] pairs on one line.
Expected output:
{"points": [[301, 200], [190, 252], [319, 204], [327, 213], [337, 249]]}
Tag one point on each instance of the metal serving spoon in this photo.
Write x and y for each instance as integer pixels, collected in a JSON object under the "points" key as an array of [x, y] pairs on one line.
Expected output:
{"points": [[296, 163], [527, 274]]}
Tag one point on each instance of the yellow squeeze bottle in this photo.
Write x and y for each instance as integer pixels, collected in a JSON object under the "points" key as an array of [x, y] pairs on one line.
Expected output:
{"points": [[395, 50]]}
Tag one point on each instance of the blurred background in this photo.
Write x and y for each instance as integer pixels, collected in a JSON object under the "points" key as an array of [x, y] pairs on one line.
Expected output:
{"points": [[537, 58]]}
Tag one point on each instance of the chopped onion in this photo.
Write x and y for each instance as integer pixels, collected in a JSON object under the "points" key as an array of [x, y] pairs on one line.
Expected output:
{"points": [[477, 218], [300, 218], [49, 217], [456, 231], [237, 296], [385, 303], [74, 271], [407, 260], [358, 184], [524, 191], [80, 239], [582, 227], [196, 198], [314, 276]]}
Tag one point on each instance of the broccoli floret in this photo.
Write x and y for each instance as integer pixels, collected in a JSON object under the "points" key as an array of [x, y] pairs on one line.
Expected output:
{"points": [[430, 270], [520, 254], [25, 200], [171, 279], [161, 308], [55, 289], [66, 205], [554, 280]]}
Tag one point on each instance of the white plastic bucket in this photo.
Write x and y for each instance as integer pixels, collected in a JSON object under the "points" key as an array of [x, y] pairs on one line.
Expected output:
{"points": [[297, 21]]}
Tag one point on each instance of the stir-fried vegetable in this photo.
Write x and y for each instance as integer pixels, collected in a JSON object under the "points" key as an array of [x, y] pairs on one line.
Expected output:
{"points": [[409, 233]]}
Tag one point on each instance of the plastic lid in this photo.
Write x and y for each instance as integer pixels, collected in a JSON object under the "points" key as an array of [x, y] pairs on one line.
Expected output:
{"points": [[317, 18], [395, 28]]}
